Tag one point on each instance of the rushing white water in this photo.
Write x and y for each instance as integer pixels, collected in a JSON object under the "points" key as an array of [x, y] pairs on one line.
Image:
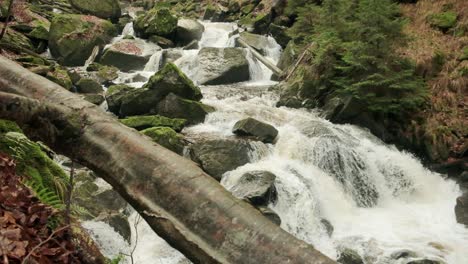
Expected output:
{"points": [[379, 200]]}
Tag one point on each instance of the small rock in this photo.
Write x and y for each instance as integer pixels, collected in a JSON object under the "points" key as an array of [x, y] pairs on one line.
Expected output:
{"points": [[174, 106], [129, 54], [145, 122], [252, 127], [96, 99], [256, 186], [328, 226], [189, 30], [114, 96], [403, 254], [270, 214], [461, 209], [166, 137]]}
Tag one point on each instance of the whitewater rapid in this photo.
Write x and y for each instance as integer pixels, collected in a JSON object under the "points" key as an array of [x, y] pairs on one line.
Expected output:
{"points": [[378, 199]]}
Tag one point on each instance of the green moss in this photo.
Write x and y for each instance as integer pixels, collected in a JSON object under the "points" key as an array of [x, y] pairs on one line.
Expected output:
{"points": [[172, 80], [158, 21], [9, 126], [59, 75], [101, 8], [33, 163], [464, 55], [165, 137], [144, 122], [443, 21]]}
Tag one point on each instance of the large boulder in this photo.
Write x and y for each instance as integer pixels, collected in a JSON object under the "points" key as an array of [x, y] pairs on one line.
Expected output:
{"points": [[174, 106], [259, 130], [258, 42], [145, 122], [218, 156], [168, 80], [166, 137], [129, 54], [255, 186], [73, 38], [222, 66], [157, 21], [102, 8], [189, 30], [461, 209]]}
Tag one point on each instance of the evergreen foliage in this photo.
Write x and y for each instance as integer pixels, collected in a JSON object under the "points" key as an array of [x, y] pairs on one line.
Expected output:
{"points": [[356, 52]]}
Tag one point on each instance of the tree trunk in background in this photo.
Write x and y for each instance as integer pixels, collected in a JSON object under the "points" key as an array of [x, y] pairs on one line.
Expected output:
{"points": [[181, 203]]}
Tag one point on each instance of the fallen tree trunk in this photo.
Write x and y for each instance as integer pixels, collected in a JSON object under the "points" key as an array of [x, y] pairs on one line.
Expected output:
{"points": [[277, 71], [181, 203]]}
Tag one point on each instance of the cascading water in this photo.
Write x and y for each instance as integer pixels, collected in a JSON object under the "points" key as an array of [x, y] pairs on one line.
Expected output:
{"points": [[379, 200]]}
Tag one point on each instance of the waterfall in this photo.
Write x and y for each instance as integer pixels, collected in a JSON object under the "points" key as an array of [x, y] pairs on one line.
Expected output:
{"points": [[378, 199]]}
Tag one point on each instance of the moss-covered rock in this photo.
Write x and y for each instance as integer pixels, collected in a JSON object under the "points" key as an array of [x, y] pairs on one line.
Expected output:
{"points": [[174, 106], [158, 21], [166, 137], [170, 79], [88, 85], [73, 38], [101, 8], [59, 75], [16, 40], [128, 54], [93, 98], [443, 21], [114, 95], [145, 100], [145, 122]]}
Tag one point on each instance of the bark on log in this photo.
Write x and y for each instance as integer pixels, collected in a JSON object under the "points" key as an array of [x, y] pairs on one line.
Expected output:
{"points": [[181, 203], [277, 71]]}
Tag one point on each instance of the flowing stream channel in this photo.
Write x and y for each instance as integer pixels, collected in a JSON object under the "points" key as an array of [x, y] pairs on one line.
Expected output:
{"points": [[379, 200]]}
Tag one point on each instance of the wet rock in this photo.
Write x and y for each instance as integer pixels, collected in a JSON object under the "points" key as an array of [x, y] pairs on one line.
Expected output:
{"points": [[120, 224], [258, 42], [114, 96], [403, 254], [259, 130], [129, 54], [102, 8], [162, 42], [222, 66], [87, 85], [192, 45], [328, 226], [349, 256], [270, 214], [146, 100], [425, 261], [59, 75], [145, 122], [170, 56], [256, 186], [174, 106], [218, 156], [157, 21], [461, 209], [166, 137], [288, 57], [189, 30], [73, 38]]}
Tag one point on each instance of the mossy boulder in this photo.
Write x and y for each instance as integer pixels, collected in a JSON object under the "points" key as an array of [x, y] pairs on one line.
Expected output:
{"points": [[88, 85], [114, 95], [146, 122], [158, 21], [128, 54], [94, 98], [16, 40], [443, 21], [222, 66], [73, 38], [59, 75], [174, 106], [102, 8], [170, 79], [146, 99], [166, 137]]}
